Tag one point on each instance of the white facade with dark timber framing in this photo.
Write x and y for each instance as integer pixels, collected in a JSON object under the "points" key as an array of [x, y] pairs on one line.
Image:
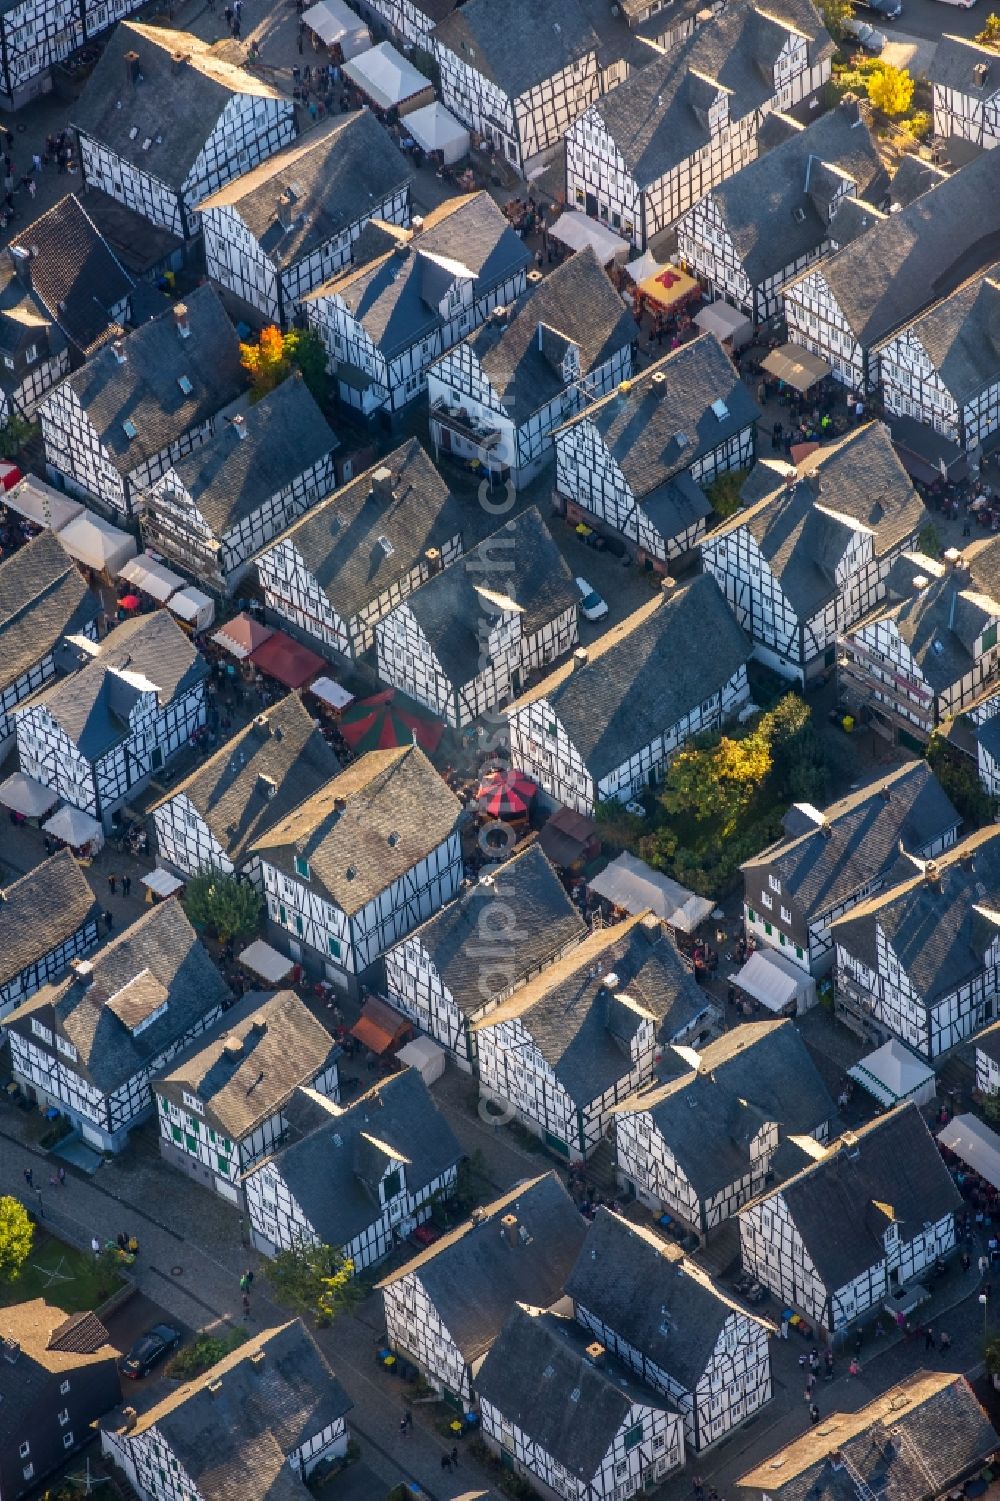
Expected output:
{"points": [[163, 122], [965, 79], [37, 35], [988, 1060], [842, 1236], [280, 230], [408, 20], [48, 918]]}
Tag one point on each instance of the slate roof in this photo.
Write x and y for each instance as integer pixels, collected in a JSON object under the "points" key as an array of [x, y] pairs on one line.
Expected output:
{"points": [[988, 1042], [838, 1204], [988, 736], [232, 476], [539, 920], [233, 1428], [43, 598], [648, 1292], [918, 255], [912, 178], [140, 245], [514, 43], [338, 539], [323, 1171], [47, 1354], [751, 1076], [149, 652], [581, 1027], [474, 1276], [961, 333], [396, 809], [284, 746], [655, 430], [258, 1054], [159, 957], [23, 322], [518, 567], [940, 930], [183, 91], [642, 676], [819, 869], [577, 302], [954, 63], [74, 272], [146, 390], [41, 910], [326, 181]]}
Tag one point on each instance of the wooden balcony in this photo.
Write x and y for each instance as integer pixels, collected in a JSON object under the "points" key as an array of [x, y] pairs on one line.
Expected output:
{"points": [[461, 421]]}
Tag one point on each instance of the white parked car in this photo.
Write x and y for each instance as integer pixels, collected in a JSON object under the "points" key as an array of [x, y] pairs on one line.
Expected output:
{"points": [[868, 38], [962, 4], [591, 603]]}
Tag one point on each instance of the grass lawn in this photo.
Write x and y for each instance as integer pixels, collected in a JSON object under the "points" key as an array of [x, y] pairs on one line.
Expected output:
{"points": [[73, 1280]]}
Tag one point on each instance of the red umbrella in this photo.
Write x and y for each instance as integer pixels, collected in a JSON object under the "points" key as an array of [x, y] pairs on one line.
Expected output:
{"points": [[505, 794], [130, 601]]}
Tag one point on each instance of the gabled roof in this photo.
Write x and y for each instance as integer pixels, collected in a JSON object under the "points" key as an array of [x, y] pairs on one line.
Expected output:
{"points": [[322, 184], [42, 910], [644, 675], [24, 322], [963, 65], [366, 827], [74, 272], [860, 838], [112, 1013], [159, 115], [43, 598], [961, 333], [475, 1275], [515, 43], [247, 462], [258, 776], [149, 389], [41, 1348]]}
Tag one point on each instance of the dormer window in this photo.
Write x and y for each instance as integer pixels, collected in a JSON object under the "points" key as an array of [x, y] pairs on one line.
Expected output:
{"points": [[392, 1184], [302, 867]]}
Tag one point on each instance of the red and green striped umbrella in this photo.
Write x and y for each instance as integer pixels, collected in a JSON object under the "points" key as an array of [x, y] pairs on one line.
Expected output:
{"points": [[505, 794], [380, 722]]}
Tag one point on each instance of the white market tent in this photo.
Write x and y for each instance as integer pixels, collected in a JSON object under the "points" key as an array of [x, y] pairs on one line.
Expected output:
{"points": [[386, 78], [331, 693], [40, 503], [161, 882], [425, 1056], [74, 827], [336, 24], [892, 1074], [725, 322], [644, 267], [96, 543], [266, 962], [435, 129], [578, 230], [776, 982], [978, 1146], [26, 796], [192, 605], [145, 573], [633, 885]]}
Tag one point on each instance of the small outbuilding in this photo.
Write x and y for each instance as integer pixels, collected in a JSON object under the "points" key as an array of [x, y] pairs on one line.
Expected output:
{"points": [[893, 1074]]}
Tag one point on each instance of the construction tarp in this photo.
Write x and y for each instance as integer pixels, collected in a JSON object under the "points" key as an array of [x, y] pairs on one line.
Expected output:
{"points": [[26, 796], [97, 544], [435, 129], [631, 884], [267, 962], [776, 982], [290, 662], [152, 577], [74, 827], [978, 1146], [425, 1056], [578, 231], [40, 503], [337, 25], [380, 1028], [669, 286], [892, 1074], [386, 78], [725, 322], [797, 367]]}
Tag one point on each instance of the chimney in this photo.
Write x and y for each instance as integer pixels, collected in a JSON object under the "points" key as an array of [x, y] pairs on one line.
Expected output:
{"points": [[920, 582], [932, 875], [595, 1353], [83, 970], [667, 584], [118, 350], [11, 1350], [658, 382], [825, 829], [952, 557], [382, 483], [240, 429], [432, 558], [339, 804], [540, 335], [611, 982], [257, 1359], [260, 723], [133, 71], [181, 319], [980, 73], [178, 61], [509, 1227], [580, 658], [885, 793], [285, 209], [129, 1419], [232, 1046]]}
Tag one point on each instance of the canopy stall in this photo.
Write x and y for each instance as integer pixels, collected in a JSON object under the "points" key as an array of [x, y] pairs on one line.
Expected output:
{"points": [[290, 662], [381, 722], [152, 577], [777, 983], [926, 455], [570, 839], [263, 960], [242, 635], [578, 231], [797, 367], [726, 323], [669, 286], [336, 25], [379, 1028], [643, 267], [973, 1141], [425, 1056], [40, 503], [388, 80], [193, 607], [162, 883], [893, 1074], [22, 794], [435, 129], [631, 884], [97, 544], [74, 827], [331, 693]]}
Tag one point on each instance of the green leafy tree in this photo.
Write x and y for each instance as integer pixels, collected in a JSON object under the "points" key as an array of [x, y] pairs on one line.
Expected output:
{"points": [[800, 771], [315, 1280], [717, 782], [306, 352], [15, 433], [224, 905], [724, 492], [960, 781], [17, 1236], [890, 90], [991, 1109], [275, 355], [835, 13]]}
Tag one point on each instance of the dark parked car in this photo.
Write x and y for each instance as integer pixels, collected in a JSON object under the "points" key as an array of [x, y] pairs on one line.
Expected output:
{"points": [[149, 1349], [886, 10]]}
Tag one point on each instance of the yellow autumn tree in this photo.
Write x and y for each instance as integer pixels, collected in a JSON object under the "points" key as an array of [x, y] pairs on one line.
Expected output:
{"points": [[990, 34], [890, 90], [266, 362]]}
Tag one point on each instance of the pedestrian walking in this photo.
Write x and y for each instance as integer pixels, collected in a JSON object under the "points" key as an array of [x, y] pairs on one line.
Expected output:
{"points": [[944, 1341], [62, 1177], [244, 1284], [402, 1427], [454, 1457], [966, 1261], [699, 1486], [95, 1245], [246, 1304], [853, 1369], [126, 885], [53, 1181], [29, 1177], [109, 921], [112, 883], [32, 187], [36, 162], [228, 13], [121, 1241], [445, 1458], [930, 1343], [409, 1418], [983, 1265], [814, 1414], [248, 1275]]}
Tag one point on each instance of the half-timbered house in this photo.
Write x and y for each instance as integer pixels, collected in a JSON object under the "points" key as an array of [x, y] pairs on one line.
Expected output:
{"points": [[221, 1108], [355, 556], [360, 1182], [140, 404], [919, 960], [362, 862], [280, 230], [583, 1035], [703, 1144], [90, 1045], [663, 1317], [763, 225], [920, 1439], [605, 724], [635, 464], [564, 1413], [97, 736], [465, 641], [48, 918], [844, 309], [444, 1310], [987, 743], [645, 153], [666, 22], [830, 861], [516, 76], [270, 1412], [410, 295], [211, 511], [988, 1060], [164, 120], [497, 398], [809, 553], [407, 20], [43, 601], [458, 967], [965, 79], [850, 1231], [930, 651], [253, 781]]}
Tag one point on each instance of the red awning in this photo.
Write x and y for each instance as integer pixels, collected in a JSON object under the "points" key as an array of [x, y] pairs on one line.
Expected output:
{"points": [[380, 1028], [282, 658]]}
